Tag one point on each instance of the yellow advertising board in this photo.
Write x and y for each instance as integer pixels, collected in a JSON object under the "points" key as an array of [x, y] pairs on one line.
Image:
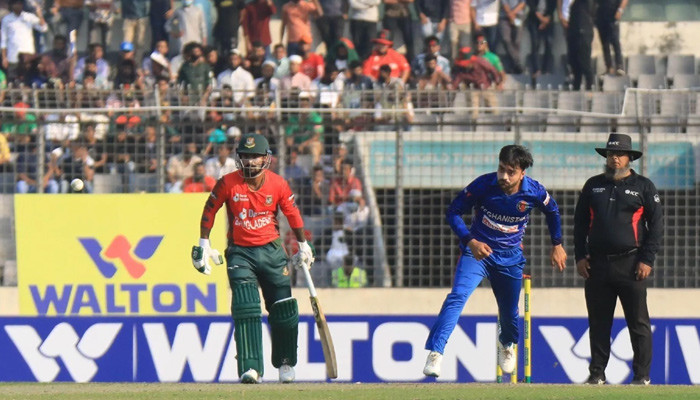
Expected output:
{"points": [[103, 255]]}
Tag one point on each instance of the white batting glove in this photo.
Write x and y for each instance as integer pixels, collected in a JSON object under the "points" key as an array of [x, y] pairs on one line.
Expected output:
{"points": [[304, 257], [201, 254]]}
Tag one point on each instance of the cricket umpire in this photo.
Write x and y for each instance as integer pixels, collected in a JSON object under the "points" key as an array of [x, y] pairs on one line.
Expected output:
{"points": [[618, 226]]}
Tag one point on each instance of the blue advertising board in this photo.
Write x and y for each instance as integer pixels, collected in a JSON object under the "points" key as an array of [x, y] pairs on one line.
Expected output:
{"points": [[368, 348], [562, 161]]}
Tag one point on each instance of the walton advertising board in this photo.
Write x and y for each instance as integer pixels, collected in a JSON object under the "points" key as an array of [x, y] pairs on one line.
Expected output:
{"points": [[368, 349], [115, 255]]}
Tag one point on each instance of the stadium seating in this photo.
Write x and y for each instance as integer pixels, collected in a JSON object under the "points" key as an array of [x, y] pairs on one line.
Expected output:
{"points": [[640, 64], [536, 99], [492, 123], [456, 123], [594, 125], [693, 124], [674, 103], [425, 122], [612, 83], [665, 124], [550, 81], [529, 122], [680, 64], [606, 103], [651, 81], [686, 81], [561, 123], [573, 101], [517, 82]]}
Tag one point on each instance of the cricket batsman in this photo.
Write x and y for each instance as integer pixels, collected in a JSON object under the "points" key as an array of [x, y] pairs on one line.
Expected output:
{"points": [[255, 255], [492, 248]]}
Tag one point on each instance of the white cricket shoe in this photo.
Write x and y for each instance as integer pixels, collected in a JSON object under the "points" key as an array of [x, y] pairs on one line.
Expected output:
{"points": [[250, 376], [506, 357], [286, 374], [432, 364]]}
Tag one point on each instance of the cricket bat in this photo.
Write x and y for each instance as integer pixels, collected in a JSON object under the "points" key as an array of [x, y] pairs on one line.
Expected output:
{"points": [[322, 326]]}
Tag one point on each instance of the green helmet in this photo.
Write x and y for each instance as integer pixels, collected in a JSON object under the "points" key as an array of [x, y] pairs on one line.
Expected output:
{"points": [[253, 143]]}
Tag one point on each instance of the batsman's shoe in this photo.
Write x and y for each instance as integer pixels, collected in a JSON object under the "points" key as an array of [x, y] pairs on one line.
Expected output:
{"points": [[506, 357], [595, 380], [286, 374], [641, 381], [250, 376], [432, 364]]}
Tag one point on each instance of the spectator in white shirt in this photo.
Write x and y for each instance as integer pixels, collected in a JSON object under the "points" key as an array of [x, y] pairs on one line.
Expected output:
{"points": [[484, 14], [222, 164], [240, 80], [96, 56], [17, 36], [188, 24]]}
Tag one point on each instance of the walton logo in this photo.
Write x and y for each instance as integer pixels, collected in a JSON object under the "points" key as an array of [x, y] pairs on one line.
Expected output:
{"points": [[574, 355], [76, 353], [120, 248]]}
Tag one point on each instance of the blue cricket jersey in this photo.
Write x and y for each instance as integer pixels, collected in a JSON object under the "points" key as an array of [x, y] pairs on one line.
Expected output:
{"points": [[500, 219]]}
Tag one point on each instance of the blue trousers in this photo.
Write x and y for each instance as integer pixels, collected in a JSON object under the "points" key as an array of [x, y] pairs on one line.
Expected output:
{"points": [[504, 269]]}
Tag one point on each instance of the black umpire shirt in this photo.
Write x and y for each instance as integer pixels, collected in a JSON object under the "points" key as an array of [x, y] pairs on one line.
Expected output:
{"points": [[615, 217]]}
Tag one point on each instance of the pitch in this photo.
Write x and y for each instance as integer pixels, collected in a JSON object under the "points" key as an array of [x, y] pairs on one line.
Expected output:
{"points": [[310, 391]]}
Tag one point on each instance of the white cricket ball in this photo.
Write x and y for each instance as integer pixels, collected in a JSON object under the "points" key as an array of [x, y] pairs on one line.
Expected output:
{"points": [[77, 185]]}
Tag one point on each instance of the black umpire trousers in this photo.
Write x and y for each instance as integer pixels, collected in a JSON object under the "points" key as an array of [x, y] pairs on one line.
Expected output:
{"points": [[579, 43], [610, 278], [609, 32]]}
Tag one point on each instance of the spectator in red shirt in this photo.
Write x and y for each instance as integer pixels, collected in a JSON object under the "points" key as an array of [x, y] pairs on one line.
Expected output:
{"points": [[297, 22], [256, 24], [342, 185], [199, 182], [312, 64], [382, 54], [474, 71]]}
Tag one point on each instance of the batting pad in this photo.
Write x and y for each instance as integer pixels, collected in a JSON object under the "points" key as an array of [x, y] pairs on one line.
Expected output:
{"points": [[247, 322], [284, 329]]}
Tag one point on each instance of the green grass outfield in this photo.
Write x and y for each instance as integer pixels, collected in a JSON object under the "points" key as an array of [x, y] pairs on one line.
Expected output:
{"points": [[309, 391]]}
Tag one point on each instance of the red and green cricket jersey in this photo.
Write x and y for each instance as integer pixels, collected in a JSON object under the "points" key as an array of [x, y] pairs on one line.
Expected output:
{"points": [[252, 215]]}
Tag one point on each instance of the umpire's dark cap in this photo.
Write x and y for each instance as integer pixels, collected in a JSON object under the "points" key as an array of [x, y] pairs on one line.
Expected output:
{"points": [[619, 142]]}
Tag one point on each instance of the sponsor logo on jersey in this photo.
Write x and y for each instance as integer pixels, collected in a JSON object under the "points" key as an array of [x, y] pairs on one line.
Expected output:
{"points": [[546, 199], [499, 227], [631, 192], [522, 206], [268, 200], [236, 197], [598, 190], [503, 218], [657, 198]]}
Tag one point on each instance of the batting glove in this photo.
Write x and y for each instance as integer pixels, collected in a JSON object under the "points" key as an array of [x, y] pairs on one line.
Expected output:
{"points": [[200, 255], [304, 257]]}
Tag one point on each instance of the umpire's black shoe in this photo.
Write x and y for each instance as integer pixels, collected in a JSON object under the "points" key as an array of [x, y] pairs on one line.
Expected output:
{"points": [[641, 381], [595, 380]]}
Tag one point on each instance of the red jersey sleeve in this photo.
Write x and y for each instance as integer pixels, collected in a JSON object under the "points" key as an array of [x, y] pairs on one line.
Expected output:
{"points": [[214, 202], [289, 207]]}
